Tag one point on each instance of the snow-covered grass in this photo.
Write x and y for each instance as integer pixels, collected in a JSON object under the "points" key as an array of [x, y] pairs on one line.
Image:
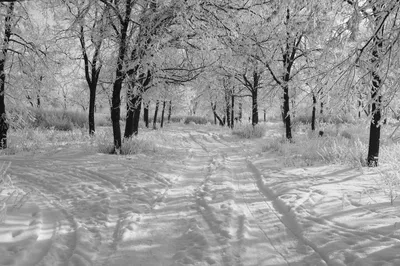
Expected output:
{"points": [[36, 139], [5, 184], [248, 131], [308, 151], [143, 143], [344, 144]]}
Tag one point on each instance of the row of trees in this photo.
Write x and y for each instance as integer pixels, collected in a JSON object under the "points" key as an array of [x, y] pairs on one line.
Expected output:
{"points": [[343, 50]]}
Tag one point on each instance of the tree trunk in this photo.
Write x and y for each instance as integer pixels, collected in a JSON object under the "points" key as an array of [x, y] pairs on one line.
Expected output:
{"points": [[286, 114], [169, 111], [232, 110], [119, 78], [254, 105], [146, 114], [116, 113], [240, 111], [38, 100], [136, 117], [314, 100], [133, 108], [228, 107], [155, 115], [293, 108], [162, 114], [376, 107], [216, 116], [3, 116], [92, 102], [265, 115]]}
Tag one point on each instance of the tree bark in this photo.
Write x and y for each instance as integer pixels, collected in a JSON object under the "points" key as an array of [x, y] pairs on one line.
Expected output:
{"points": [[376, 107], [119, 78], [146, 114], [133, 107], [155, 115], [265, 115], [232, 110], [169, 111], [162, 114], [38, 102], [228, 115], [254, 120], [286, 114], [321, 110], [240, 111], [314, 100], [6, 40], [216, 116], [92, 102], [136, 117]]}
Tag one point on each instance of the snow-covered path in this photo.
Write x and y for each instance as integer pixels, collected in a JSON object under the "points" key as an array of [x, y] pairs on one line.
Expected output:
{"points": [[206, 199]]}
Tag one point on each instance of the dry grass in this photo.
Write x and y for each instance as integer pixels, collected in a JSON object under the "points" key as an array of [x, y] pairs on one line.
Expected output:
{"points": [[339, 145], [5, 184], [103, 141], [249, 131]]}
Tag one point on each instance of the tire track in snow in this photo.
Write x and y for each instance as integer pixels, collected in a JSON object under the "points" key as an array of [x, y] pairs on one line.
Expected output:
{"points": [[280, 210], [221, 235], [218, 216], [252, 213]]}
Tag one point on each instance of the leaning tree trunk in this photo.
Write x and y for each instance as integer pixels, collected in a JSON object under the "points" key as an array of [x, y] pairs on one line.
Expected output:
{"points": [[314, 100], [162, 114], [155, 115], [3, 116], [146, 114], [216, 116]]}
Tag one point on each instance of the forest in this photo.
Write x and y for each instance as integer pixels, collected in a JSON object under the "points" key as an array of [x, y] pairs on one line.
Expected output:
{"points": [[286, 57], [227, 127]]}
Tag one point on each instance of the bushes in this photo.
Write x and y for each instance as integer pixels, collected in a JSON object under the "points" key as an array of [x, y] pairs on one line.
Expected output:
{"points": [[343, 148], [63, 120], [198, 120], [133, 145], [249, 131], [306, 119], [177, 119], [58, 119], [102, 120]]}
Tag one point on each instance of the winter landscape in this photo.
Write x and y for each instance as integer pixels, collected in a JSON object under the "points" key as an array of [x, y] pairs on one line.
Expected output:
{"points": [[204, 197], [199, 132]]}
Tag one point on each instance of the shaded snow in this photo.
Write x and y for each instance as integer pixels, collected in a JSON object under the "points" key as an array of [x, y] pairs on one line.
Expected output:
{"points": [[206, 199]]}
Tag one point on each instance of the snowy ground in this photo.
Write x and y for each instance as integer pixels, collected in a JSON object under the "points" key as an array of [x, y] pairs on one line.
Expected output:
{"points": [[205, 199]]}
